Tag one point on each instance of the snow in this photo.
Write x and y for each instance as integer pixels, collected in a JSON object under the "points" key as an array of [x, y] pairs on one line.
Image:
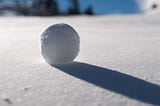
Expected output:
{"points": [[146, 5], [59, 44], [118, 63]]}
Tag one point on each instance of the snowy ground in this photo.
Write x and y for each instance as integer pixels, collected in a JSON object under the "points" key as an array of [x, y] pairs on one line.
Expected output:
{"points": [[119, 63]]}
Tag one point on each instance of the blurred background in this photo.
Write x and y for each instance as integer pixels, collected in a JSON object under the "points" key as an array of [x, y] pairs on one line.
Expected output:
{"points": [[75, 7]]}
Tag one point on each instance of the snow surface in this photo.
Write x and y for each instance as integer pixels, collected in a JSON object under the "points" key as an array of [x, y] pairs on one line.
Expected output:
{"points": [[118, 63]]}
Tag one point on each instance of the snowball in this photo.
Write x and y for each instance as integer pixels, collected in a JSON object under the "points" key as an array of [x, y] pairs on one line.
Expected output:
{"points": [[59, 44]]}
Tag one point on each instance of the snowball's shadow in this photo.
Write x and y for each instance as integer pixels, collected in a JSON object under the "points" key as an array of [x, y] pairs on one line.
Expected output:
{"points": [[124, 84]]}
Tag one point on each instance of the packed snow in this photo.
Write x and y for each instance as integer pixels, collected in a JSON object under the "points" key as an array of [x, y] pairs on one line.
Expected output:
{"points": [[59, 44], [118, 63]]}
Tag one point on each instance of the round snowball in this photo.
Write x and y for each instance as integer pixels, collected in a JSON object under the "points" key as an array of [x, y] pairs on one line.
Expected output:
{"points": [[59, 44]]}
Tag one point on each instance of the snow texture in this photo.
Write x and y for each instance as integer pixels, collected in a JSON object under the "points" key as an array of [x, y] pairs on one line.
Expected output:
{"points": [[59, 44], [118, 63]]}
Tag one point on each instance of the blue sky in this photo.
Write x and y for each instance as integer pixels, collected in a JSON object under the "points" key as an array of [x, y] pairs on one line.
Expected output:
{"points": [[102, 6], [105, 6]]}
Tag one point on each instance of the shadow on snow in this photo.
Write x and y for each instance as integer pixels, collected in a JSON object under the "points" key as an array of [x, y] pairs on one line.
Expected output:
{"points": [[115, 81]]}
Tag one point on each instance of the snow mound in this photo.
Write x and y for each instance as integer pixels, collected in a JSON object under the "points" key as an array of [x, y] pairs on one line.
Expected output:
{"points": [[149, 6]]}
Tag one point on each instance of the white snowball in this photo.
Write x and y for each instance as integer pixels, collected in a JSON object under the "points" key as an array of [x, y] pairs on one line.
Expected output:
{"points": [[59, 44]]}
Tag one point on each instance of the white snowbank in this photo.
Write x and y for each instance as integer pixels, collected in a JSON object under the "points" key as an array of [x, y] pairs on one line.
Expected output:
{"points": [[147, 5], [118, 63]]}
